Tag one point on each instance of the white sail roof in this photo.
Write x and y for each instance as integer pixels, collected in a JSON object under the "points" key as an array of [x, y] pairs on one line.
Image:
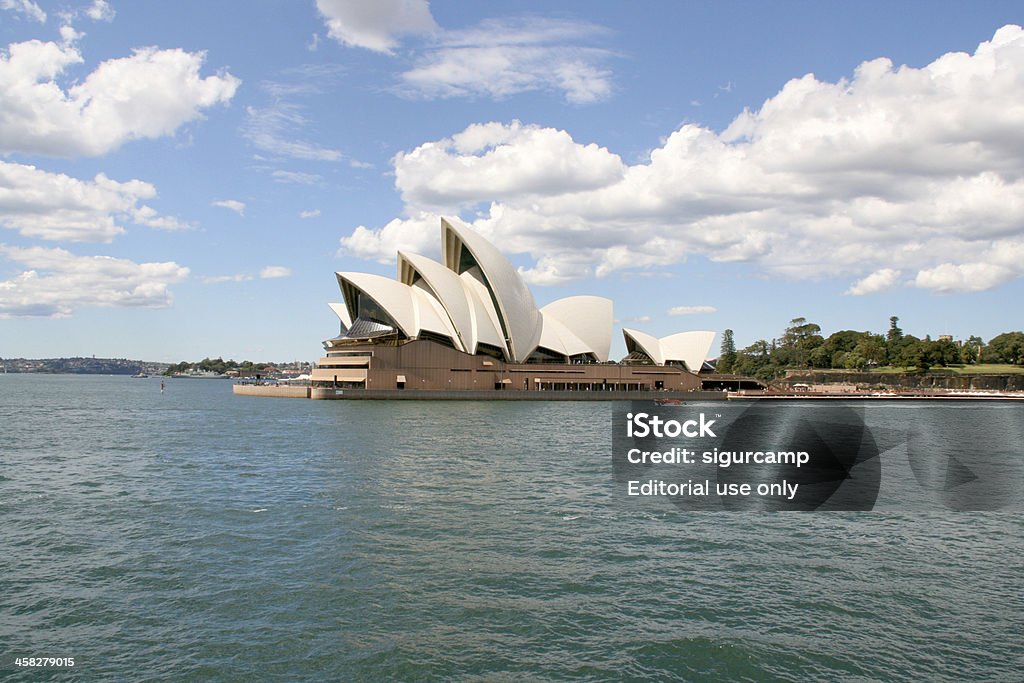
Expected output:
{"points": [[341, 310], [447, 288], [558, 338], [688, 347], [589, 318], [641, 341], [431, 316], [392, 296], [478, 297], [486, 326], [518, 316]]}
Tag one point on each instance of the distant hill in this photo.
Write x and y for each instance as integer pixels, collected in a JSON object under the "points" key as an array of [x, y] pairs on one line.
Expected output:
{"points": [[82, 366]]}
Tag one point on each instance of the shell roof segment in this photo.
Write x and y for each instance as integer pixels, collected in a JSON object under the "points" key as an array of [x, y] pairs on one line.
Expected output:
{"points": [[518, 315], [589, 318], [688, 347]]}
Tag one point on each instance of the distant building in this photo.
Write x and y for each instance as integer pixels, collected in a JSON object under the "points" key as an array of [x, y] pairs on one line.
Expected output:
{"points": [[472, 323]]}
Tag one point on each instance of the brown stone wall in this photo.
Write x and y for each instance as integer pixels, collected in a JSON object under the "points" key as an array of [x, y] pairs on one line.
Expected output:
{"points": [[927, 380], [429, 366]]}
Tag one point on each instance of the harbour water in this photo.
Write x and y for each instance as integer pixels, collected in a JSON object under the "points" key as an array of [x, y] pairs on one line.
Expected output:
{"points": [[196, 535]]}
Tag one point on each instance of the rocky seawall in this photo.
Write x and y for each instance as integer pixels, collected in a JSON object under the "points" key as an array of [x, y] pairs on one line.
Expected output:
{"points": [[928, 380]]}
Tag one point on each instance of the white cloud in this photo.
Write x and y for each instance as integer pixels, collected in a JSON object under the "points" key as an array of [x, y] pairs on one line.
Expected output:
{"points": [[964, 277], [55, 206], [314, 213], [275, 271], [492, 161], [146, 215], [58, 282], [500, 58], [297, 177], [231, 204], [878, 281], [375, 25], [100, 10], [218, 279], [279, 127], [417, 234], [691, 310], [497, 58], [147, 95], [270, 129], [26, 7], [266, 273], [915, 170], [69, 35]]}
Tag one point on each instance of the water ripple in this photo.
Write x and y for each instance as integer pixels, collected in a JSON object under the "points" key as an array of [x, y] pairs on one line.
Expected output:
{"points": [[195, 535]]}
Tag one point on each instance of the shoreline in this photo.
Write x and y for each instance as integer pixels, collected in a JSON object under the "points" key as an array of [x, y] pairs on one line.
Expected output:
{"points": [[331, 394]]}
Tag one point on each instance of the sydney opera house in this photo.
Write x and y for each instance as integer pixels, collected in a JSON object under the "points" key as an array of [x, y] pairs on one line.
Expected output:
{"points": [[471, 323]]}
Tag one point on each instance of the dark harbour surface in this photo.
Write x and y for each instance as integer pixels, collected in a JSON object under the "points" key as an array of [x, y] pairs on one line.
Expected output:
{"points": [[195, 535]]}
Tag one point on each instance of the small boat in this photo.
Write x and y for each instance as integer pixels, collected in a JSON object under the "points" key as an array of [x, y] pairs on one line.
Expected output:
{"points": [[668, 401], [140, 375]]}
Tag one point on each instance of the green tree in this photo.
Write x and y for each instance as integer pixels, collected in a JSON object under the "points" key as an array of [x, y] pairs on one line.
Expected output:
{"points": [[821, 357], [727, 353], [970, 350], [1007, 347], [942, 352], [871, 348], [895, 333], [798, 341], [854, 361], [758, 360], [893, 340], [910, 352], [842, 342]]}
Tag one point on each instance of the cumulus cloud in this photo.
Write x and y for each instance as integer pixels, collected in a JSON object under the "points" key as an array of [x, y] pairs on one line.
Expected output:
{"points": [[57, 282], [100, 10], [69, 35], [275, 271], [417, 234], [147, 95], [375, 25], [488, 162], [878, 281], [54, 206], [691, 310], [964, 277], [26, 7], [230, 204], [313, 213], [894, 170]]}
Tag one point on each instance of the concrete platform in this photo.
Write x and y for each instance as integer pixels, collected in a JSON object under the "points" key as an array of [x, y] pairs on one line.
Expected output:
{"points": [[270, 390], [509, 395], [328, 394]]}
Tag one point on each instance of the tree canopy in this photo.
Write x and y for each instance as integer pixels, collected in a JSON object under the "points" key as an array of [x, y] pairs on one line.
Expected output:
{"points": [[802, 346]]}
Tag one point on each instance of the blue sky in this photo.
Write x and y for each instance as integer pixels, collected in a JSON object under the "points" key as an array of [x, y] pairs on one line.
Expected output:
{"points": [[180, 180]]}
